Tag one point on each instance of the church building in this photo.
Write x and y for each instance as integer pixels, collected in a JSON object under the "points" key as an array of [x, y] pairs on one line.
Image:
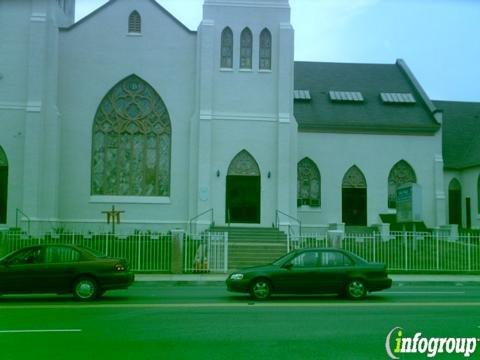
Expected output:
{"points": [[128, 107]]}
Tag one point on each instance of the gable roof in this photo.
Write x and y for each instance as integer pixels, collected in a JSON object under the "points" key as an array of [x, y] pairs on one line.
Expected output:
{"points": [[370, 115], [461, 133], [110, 2]]}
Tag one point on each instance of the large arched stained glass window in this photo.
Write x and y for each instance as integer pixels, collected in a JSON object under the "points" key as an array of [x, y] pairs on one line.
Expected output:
{"points": [[226, 51], [308, 183], [131, 142], [246, 49], [400, 174], [265, 54]]}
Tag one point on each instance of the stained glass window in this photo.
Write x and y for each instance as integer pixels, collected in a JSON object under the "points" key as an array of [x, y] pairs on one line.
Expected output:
{"points": [[308, 183], [226, 52], [265, 60], [400, 174], [134, 22], [246, 49], [131, 143]]}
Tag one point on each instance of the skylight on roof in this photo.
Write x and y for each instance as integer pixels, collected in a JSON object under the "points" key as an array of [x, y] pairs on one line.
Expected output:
{"points": [[355, 96], [397, 98], [301, 95]]}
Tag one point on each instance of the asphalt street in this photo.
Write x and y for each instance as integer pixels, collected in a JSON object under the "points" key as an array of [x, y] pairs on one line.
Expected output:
{"points": [[173, 320]]}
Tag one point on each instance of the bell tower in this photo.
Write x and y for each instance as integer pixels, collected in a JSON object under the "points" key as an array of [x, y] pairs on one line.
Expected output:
{"points": [[245, 103]]}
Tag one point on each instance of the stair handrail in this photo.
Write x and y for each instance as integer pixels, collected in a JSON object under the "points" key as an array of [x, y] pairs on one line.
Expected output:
{"points": [[277, 221], [197, 216], [25, 216]]}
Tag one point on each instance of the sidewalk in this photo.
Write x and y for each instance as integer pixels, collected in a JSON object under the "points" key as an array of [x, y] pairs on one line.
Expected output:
{"points": [[397, 278]]}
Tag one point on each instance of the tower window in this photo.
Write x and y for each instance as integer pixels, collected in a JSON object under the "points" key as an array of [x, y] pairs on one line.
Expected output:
{"points": [[226, 52], [134, 22], [265, 60], [246, 49]]}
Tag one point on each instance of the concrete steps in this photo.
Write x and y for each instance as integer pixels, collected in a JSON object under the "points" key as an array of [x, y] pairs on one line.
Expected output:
{"points": [[253, 246]]}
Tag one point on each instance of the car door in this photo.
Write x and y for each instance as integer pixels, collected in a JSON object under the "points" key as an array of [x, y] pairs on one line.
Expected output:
{"points": [[20, 272], [333, 271], [299, 274], [61, 263]]}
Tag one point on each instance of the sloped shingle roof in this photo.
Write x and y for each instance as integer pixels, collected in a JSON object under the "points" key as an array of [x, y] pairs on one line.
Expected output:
{"points": [[461, 133], [371, 115]]}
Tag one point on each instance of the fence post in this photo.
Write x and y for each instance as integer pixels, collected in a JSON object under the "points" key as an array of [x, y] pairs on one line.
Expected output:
{"points": [[406, 249], [176, 262], [469, 253], [374, 249], [139, 254], [288, 241], [225, 252], [438, 250]]}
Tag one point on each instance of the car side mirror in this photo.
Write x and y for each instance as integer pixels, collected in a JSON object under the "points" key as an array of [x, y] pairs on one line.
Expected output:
{"points": [[287, 266]]}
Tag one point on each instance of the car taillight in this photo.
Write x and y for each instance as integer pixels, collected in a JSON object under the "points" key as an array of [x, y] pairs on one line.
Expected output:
{"points": [[119, 267]]}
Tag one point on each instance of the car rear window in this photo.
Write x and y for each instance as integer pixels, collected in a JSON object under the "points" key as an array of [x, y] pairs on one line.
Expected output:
{"points": [[60, 254]]}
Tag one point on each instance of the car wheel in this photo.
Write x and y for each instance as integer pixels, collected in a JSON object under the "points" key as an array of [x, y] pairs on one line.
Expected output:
{"points": [[85, 289], [356, 289], [260, 289]]}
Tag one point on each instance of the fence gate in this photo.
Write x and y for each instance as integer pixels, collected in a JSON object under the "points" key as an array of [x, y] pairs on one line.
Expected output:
{"points": [[207, 252]]}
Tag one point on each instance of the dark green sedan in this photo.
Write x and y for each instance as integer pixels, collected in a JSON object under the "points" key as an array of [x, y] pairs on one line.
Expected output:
{"points": [[312, 271], [62, 269]]}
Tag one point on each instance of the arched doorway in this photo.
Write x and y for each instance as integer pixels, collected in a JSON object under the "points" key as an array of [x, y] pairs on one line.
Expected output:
{"points": [[243, 190], [3, 186], [455, 202], [354, 198]]}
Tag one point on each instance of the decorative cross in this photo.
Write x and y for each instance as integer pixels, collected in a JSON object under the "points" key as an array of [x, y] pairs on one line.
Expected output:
{"points": [[113, 216]]}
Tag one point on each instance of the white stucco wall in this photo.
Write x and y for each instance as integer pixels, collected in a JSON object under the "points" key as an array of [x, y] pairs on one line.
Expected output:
{"points": [[374, 155], [95, 55]]}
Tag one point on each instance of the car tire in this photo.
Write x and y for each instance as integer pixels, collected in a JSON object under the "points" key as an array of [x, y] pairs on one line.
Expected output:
{"points": [[85, 289], [260, 289], [356, 289]]}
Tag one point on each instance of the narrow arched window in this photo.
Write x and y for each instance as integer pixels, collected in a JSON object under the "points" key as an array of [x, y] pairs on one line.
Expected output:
{"points": [[265, 55], [226, 51], [400, 174], [246, 49], [134, 22], [308, 183], [3, 186], [131, 144]]}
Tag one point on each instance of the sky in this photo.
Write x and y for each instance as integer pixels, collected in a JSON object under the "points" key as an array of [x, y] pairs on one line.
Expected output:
{"points": [[439, 39]]}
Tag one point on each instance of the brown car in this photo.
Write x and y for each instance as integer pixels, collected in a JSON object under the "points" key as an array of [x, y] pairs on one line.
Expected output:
{"points": [[62, 269]]}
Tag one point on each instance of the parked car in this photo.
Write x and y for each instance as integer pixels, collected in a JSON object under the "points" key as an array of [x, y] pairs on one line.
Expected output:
{"points": [[312, 271], [62, 269]]}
